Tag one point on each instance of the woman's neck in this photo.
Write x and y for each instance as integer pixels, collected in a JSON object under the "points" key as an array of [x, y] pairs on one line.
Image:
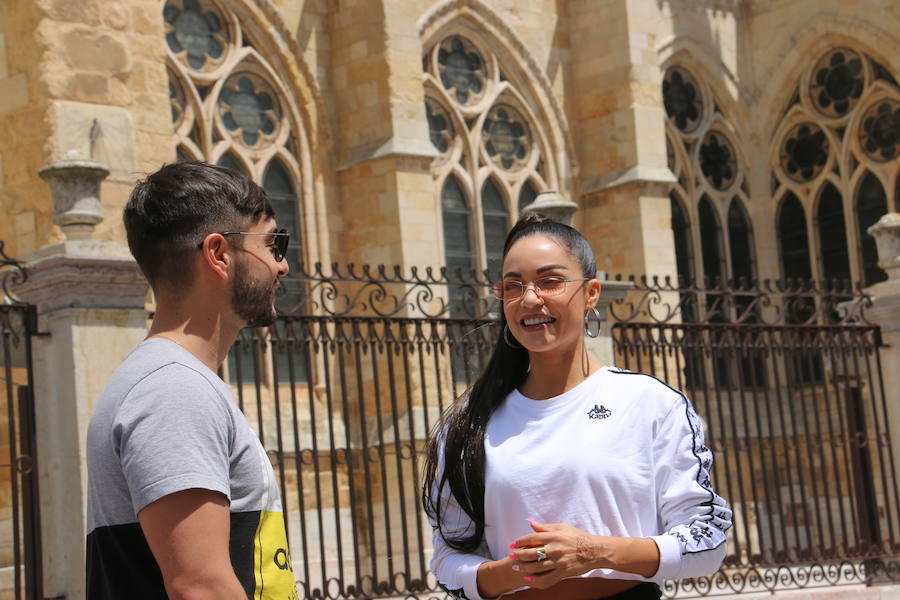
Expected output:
{"points": [[554, 373]]}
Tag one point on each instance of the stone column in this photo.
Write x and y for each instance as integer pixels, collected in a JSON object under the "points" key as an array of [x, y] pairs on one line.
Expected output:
{"points": [[616, 107], [90, 297], [885, 312]]}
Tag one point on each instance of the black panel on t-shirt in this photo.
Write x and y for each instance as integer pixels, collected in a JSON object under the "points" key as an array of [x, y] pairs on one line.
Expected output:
{"points": [[120, 564]]}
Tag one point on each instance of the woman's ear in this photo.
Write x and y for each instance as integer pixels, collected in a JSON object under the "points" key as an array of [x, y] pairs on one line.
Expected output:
{"points": [[593, 293]]}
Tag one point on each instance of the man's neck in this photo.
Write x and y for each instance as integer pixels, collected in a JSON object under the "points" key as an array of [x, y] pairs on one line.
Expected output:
{"points": [[207, 336]]}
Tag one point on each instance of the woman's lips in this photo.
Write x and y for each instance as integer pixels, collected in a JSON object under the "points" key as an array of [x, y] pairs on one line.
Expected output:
{"points": [[536, 322]]}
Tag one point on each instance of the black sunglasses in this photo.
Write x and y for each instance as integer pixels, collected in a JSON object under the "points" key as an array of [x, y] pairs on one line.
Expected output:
{"points": [[280, 240]]}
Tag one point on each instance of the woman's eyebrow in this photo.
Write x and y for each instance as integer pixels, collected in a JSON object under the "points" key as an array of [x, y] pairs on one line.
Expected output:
{"points": [[546, 268], [539, 270]]}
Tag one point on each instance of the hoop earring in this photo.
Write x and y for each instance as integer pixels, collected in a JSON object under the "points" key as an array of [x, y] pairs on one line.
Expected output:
{"points": [[588, 321], [506, 338]]}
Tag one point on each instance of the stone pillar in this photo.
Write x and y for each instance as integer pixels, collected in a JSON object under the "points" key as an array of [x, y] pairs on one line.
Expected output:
{"points": [[90, 297], [885, 312], [382, 142], [616, 107], [601, 348]]}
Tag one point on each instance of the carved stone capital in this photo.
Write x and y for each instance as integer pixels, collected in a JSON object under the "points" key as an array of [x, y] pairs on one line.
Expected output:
{"points": [[75, 187], [83, 274], [554, 205], [887, 238]]}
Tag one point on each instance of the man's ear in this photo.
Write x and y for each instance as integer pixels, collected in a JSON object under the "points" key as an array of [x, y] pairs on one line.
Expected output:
{"points": [[216, 255]]}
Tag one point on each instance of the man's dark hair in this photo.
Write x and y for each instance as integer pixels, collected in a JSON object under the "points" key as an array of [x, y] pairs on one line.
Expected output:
{"points": [[173, 209]]}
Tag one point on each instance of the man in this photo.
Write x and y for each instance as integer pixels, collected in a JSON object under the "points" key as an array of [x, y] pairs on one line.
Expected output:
{"points": [[182, 500]]}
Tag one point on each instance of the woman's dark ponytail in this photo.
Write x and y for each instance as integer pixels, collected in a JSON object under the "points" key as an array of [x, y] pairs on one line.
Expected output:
{"points": [[461, 434]]}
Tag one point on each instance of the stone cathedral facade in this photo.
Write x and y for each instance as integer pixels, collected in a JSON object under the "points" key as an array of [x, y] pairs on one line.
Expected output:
{"points": [[721, 138], [729, 140]]}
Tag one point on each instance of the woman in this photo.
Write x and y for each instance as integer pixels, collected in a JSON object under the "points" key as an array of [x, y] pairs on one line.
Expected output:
{"points": [[555, 477]]}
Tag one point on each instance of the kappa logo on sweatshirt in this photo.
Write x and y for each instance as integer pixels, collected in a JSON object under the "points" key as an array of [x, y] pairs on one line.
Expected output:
{"points": [[599, 412]]}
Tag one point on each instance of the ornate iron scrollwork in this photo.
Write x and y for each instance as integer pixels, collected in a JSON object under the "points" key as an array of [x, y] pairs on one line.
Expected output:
{"points": [[729, 302], [381, 291], [12, 272]]}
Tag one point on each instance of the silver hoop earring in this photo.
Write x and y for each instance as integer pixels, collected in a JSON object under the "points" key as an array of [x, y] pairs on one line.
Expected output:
{"points": [[506, 338], [592, 325]]}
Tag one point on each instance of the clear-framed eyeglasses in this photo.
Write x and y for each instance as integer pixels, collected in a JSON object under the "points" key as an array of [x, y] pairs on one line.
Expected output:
{"points": [[513, 289]]}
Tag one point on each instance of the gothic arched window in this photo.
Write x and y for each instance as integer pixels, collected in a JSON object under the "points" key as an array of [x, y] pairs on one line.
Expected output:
{"points": [[489, 143], [793, 240], [702, 151], [740, 235], [710, 241], [456, 215], [871, 205], [830, 226], [837, 150], [229, 106], [681, 231]]}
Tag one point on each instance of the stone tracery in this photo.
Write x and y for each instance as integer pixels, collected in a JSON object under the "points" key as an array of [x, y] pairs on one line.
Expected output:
{"points": [[837, 149], [228, 104], [491, 159], [711, 188]]}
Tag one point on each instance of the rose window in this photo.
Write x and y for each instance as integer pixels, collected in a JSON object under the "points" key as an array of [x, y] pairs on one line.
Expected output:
{"points": [[506, 137], [461, 69], [804, 152], [717, 160], [681, 98], [879, 134], [837, 82], [196, 36], [248, 110]]}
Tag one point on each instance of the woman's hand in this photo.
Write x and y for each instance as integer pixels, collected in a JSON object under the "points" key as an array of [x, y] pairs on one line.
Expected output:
{"points": [[570, 552]]}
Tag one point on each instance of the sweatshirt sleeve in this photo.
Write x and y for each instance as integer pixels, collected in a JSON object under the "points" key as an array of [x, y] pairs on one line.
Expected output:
{"points": [[456, 572], [694, 518]]}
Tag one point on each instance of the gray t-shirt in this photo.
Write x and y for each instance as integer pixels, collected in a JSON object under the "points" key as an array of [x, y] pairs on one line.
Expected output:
{"points": [[163, 424]]}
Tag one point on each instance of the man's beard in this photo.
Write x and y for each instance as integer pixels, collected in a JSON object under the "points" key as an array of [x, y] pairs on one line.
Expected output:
{"points": [[252, 301]]}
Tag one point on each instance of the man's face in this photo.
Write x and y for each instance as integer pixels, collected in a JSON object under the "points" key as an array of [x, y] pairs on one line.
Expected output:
{"points": [[256, 276]]}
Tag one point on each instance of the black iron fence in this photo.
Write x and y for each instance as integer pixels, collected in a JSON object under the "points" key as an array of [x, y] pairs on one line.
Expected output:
{"points": [[20, 550], [345, 387], [789, 381]]}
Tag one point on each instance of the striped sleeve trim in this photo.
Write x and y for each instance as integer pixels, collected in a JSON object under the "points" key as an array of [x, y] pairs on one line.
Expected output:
{"points": [[708, 532]]}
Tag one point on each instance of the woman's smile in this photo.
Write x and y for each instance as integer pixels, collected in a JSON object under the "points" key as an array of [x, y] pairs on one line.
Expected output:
{"points": [[536, 322]]}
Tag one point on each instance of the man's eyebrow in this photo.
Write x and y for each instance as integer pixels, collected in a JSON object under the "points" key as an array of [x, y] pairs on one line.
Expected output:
{"points": [[512, 274]]}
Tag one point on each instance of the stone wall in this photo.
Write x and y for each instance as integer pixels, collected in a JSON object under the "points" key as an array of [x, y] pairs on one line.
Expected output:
{"points": [[86, 76]]}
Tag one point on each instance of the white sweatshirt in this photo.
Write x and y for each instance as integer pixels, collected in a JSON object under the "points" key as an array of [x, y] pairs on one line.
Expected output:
{"points": [[620, 454]]}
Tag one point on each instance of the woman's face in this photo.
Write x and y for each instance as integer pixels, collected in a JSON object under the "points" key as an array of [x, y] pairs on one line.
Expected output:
{"points": [[544, 322]]}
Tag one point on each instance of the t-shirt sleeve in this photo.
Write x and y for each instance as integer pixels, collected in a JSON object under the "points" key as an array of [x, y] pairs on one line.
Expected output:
{"points": [[694, 517], [456, 572], [173, 432]]}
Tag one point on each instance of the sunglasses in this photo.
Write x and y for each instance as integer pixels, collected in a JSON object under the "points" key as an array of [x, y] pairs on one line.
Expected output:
{"points": [[510, 289], [280, 240]]}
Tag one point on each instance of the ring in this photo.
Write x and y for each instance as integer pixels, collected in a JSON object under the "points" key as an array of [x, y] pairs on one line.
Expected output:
{"points": [[541, 554]]}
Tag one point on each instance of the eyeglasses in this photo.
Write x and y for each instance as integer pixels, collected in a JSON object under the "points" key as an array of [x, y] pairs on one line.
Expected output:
{"points": [[510, 289], [280, 240]]}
